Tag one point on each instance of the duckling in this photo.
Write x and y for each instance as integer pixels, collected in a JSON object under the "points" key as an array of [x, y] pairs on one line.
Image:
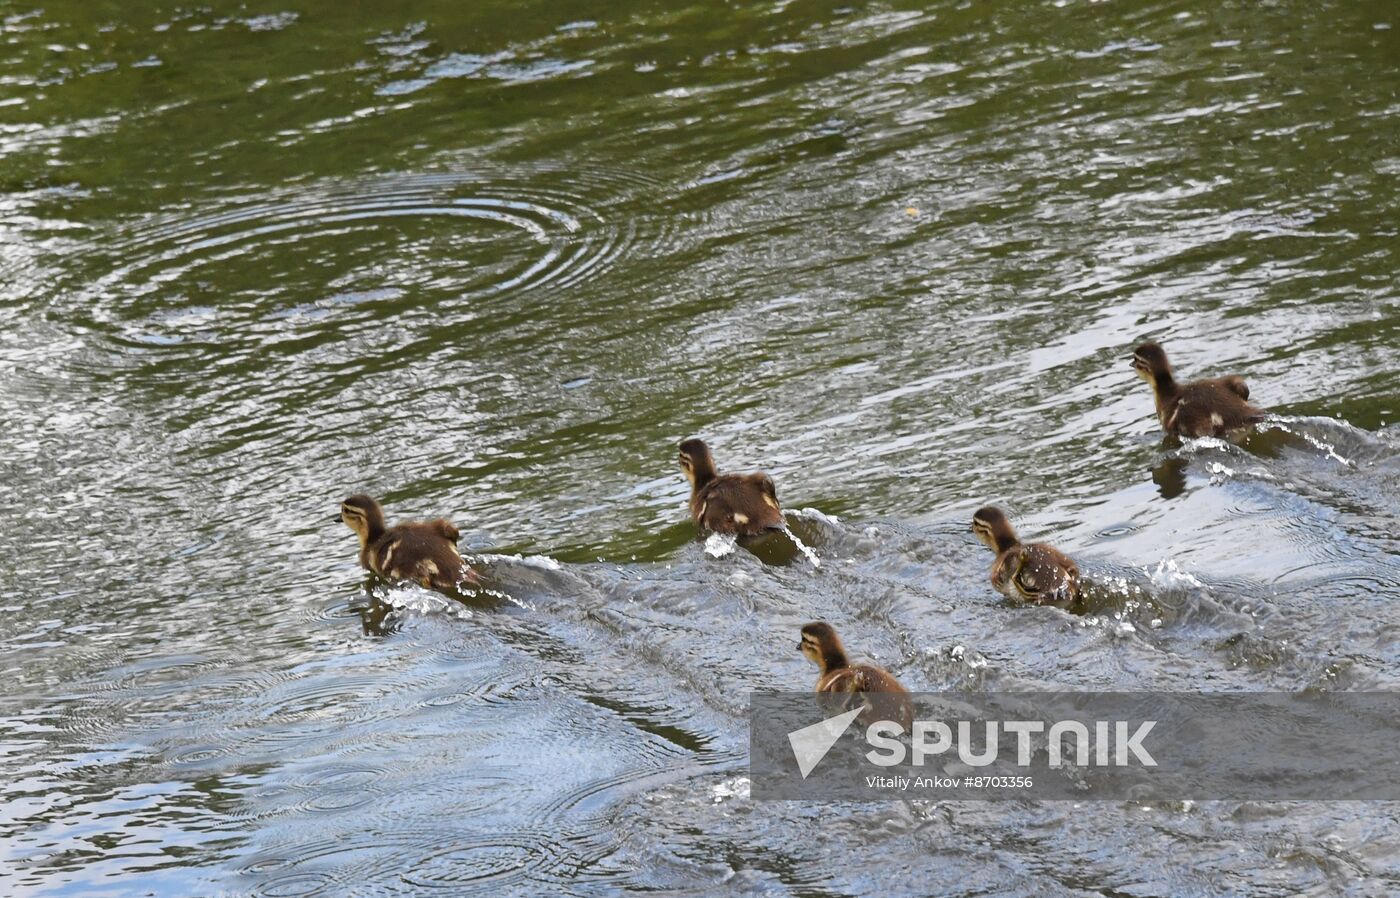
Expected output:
{"points": [[1036, 573], [742, 504], [1202, 408], [839, 677], [424, 552]]}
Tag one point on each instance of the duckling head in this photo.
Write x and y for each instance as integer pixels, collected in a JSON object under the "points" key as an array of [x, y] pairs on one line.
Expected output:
{"points": [[1150, 363], [822, 646], [993, 529], [364, 516], [697, 463]]}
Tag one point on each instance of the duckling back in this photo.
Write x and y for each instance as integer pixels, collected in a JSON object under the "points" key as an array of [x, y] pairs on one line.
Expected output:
{"points": [[742, 504], [885, 697], [1211, 408], [425, 553], [1037, 573]]}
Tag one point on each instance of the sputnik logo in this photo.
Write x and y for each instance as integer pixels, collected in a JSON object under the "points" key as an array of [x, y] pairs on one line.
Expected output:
{"points": [[810, 744]]}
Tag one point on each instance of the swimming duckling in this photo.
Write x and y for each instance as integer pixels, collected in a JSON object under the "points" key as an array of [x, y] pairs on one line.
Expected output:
{"points": [[424, 552], [839, 677], [743, 504], [1202, 408], [1036, 573]]}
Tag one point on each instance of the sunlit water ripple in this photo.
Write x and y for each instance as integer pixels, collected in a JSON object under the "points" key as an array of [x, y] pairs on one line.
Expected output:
{"points": [[493, 263]]}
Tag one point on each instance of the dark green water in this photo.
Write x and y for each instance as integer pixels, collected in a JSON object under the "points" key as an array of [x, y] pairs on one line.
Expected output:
{"points": [[494, 260]]}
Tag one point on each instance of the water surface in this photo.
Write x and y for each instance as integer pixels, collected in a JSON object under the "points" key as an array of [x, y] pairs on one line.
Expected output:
{"points": [[494, 260]]}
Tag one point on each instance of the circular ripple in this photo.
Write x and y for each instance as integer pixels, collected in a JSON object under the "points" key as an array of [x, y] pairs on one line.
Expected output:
{"points": [[297, 885], [197, 755], [146, 697], [494, 862], [582, 223], [373, 861], [343, 777], [448, 699]]}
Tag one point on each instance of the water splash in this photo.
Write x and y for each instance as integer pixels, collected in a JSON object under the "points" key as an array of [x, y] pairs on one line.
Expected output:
{"points": [[816, 514], [802, 547], [1291, 425], [410, 597], [737, 787], [1167, 574], [542, 562], [720, 545]]}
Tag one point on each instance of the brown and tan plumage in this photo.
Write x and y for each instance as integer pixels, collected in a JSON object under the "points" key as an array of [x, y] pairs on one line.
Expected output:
{"points": [[742, 504], [885, 698], [424, 552], [1037, 572], [1202, 408]]}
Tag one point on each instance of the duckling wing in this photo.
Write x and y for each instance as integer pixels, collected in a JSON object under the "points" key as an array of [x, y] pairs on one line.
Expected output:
{"points": [[766, 484], [844, 679], [768, 495], [379, 556], [1029, 579], [875, 679], [884, 697], [1235, 384], [446, 529], [440, 568], [1005, 569]]}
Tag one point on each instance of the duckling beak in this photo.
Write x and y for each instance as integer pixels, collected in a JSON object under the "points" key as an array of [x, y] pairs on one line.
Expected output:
{"points": [[337, 517]]}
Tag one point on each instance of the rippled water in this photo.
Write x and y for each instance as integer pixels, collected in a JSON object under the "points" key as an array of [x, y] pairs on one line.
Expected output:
{"points": [[494, 260]]}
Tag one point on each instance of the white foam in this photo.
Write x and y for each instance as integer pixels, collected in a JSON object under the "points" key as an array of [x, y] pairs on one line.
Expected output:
{"points": [[1196, 444], [408, 597], [543, 562], [718, 545], [816, 515], [738, 787], [1168, 574]]}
